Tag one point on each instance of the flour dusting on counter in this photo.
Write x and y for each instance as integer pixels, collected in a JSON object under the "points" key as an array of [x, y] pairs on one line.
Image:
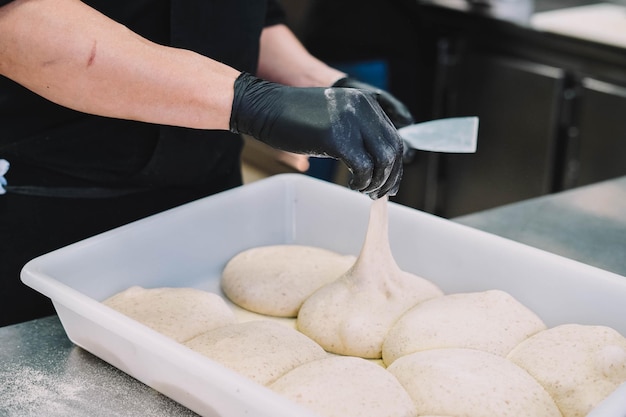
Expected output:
{"points": [[43, 374]]}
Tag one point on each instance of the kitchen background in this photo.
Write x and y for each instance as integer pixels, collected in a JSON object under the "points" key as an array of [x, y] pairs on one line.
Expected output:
{"points": [[546, 78]]}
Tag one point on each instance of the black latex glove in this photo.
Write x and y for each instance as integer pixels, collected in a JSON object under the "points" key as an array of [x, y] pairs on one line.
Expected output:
{"points": [[343, 123], [397, 112]]}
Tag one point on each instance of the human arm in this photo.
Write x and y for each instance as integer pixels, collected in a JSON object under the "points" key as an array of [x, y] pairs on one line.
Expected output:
{"points": [[283, 59], [72, 55], [75, 56]]}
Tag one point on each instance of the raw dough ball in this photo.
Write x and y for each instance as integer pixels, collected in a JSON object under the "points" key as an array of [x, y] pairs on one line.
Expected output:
{"points": [[579, 365], [179, 313], [352, 315], [275, 280], [259, 350], [242, 315], [344, 386], [471, 383], [492, 321]]}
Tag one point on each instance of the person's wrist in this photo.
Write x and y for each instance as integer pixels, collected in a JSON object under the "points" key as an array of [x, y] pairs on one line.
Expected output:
{"points": [[350, 82], [255, 103], [324, 77], [238, 122], [336, 77], [342, 82]]}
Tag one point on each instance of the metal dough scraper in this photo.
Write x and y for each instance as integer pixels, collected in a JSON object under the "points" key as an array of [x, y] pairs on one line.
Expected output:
{"points": [[451, 135]]}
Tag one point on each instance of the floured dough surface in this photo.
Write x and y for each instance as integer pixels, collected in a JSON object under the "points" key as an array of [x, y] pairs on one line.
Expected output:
{"points": [[352, 315], [343, 386], [179, 313], [244, 315], [260, 350], [579, 365], [275, 280], [352, 318], [492, 321], [471, 383]]}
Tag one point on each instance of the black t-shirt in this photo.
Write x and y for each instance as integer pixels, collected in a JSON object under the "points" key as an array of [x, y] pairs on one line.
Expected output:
{"points": [[330, 36], [90, 149], [61, 149]]}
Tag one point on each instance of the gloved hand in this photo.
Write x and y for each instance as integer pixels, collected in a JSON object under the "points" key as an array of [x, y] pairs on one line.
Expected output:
{"points": [[397, 112], [343, 123]]}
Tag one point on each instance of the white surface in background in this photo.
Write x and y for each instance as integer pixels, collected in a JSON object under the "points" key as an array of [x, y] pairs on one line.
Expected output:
{"points": [[603, 23]]}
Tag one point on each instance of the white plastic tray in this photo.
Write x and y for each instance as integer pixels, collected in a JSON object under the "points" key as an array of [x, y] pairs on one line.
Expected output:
{"points": [[189, 245]]}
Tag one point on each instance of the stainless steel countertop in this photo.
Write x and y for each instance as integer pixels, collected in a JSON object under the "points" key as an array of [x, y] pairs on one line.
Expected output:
{"points": [[42, 373], [587, 224]]}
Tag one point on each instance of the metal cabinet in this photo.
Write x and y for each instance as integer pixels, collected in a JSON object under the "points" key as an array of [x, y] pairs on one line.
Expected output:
{"points": [[599, 133], [552, 112], [518, 103]]}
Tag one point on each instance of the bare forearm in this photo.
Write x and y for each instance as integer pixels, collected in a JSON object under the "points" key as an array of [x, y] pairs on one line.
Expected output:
{"points": [[284, 59], [74, 56]]}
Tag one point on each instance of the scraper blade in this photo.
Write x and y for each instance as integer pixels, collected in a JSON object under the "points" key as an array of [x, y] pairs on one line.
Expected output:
{"points": [[450, 135]]}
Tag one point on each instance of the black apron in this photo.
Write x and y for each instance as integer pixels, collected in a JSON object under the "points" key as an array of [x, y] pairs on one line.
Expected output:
{"points": [[74, 175]]}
